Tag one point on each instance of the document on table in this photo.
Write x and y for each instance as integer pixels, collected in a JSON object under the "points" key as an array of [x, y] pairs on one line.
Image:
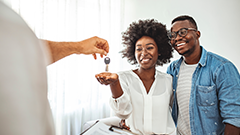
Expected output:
{"points": [[99, 128]]}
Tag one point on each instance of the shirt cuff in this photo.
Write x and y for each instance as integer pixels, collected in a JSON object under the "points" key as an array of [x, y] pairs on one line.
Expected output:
{"points": [[234, 121]]}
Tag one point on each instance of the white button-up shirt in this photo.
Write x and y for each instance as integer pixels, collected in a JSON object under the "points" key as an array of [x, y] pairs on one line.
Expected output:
{"points": [[145, 113]]}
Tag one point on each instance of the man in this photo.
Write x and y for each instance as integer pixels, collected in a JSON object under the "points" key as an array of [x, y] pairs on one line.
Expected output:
{"points": [[24, 107], [206, 86]]}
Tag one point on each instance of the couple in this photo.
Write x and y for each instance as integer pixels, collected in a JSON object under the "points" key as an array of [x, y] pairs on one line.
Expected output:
{"points": [[205, 87]]}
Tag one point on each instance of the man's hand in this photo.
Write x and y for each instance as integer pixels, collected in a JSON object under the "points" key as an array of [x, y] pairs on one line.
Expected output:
{"points": [[94, 45]]}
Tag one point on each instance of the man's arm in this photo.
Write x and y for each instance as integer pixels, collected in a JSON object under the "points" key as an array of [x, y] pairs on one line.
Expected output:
{"points": [[231, 130], [228, 86], [59, 50]]}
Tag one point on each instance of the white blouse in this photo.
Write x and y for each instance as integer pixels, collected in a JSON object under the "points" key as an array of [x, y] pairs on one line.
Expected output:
{"points": [[145, 113]]}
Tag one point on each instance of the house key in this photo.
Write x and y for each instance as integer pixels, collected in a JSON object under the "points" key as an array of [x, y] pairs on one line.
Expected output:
{"points": [[106, 61]]}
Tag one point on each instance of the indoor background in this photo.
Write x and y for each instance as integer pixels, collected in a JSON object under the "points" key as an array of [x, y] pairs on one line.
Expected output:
{"points": [[75, 96]]}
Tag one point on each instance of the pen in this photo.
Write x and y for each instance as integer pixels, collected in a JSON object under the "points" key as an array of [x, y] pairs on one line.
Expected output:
{"points": [[116, 131]]}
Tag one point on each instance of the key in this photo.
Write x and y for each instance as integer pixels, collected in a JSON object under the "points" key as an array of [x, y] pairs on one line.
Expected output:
{"points": [[106, 61]]}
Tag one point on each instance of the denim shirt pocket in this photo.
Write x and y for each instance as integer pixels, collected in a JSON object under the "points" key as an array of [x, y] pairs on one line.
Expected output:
{"points": [[207, 100]]}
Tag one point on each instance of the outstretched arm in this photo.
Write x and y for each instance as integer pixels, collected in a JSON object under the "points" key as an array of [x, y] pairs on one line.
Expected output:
{"points": [[92, 46], [120, 101]]}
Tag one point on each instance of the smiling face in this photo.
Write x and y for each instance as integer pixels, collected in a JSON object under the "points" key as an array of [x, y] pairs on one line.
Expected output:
{"points": [[146, 52], [185, 45]]}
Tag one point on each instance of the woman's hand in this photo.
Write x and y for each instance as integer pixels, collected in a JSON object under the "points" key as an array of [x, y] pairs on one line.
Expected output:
{"points": [[107, 78], [123, 125]]}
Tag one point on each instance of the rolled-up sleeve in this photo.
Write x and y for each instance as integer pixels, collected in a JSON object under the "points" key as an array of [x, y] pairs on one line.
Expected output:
{"points": [[228, 85]]}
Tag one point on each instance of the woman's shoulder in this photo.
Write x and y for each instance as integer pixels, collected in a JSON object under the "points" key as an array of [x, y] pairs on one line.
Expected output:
{"points": [[126, 72], [163, 74]]}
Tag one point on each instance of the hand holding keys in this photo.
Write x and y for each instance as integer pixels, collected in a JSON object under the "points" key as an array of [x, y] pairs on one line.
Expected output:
{"points": [[106, 77], [106, 61]]}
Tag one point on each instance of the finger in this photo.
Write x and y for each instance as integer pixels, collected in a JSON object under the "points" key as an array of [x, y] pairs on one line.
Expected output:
{"points": [[94, 56], [108, 78], [97, 76], [100, 51], [101, 81], [106, 46], [103, 44], [104, 81], [108, 81], [98, 79]]}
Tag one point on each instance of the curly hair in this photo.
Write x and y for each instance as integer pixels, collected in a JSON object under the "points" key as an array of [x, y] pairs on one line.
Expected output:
{"points": [[151, 28]]}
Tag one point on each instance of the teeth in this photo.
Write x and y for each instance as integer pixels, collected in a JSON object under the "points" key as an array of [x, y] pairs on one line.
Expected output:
{"points": [[145, 60], [180, 44]]}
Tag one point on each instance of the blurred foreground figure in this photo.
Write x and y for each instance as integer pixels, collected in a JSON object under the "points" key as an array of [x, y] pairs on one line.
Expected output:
{"points": [[23, 79], [23, 95]]}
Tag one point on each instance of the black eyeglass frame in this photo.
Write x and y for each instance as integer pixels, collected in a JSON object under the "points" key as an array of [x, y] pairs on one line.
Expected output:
{"points": [[178, 33]]}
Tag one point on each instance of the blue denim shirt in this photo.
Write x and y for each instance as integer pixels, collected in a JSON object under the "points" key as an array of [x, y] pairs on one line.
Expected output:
{"points": [[215, 94]]}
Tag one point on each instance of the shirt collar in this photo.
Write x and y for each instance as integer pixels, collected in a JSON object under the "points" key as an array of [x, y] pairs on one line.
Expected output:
{"points": [[203, 59]]}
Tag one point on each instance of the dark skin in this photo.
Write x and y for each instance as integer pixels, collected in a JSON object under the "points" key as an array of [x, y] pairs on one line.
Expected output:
{"points": [[146, 77], [191, 51], [146, 53]]}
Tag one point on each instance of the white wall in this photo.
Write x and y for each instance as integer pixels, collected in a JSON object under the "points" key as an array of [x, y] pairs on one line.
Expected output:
{"points": [[218, 21]]}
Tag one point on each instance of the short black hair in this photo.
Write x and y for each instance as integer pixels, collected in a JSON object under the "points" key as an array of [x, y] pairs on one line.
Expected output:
{"points": [[186, 17], [151, 28]]}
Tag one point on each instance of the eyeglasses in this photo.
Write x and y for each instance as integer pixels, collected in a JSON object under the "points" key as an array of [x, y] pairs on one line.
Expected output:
{"points": [[182, 32]]}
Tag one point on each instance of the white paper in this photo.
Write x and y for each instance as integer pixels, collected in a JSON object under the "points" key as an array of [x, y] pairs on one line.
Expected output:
{"points": [[102, 129]]}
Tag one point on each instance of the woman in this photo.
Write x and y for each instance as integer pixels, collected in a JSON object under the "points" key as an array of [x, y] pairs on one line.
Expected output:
{"points": [[142, 96]]}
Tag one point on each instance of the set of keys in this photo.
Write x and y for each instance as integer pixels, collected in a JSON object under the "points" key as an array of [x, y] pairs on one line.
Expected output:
{"points": [[106, 61]]}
